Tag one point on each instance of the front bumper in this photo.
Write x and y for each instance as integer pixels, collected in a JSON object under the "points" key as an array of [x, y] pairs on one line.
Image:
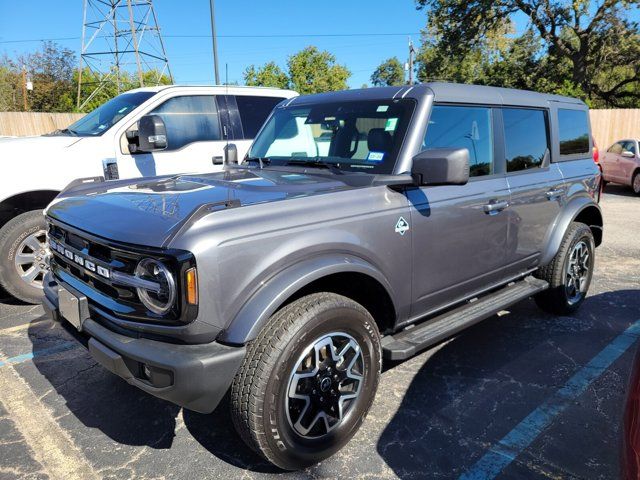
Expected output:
{"points": [[192, 376]]}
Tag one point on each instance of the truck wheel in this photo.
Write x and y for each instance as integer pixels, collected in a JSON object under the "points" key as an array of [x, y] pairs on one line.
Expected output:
{"points": [[24, 250], [569, 273], [308, 380]]}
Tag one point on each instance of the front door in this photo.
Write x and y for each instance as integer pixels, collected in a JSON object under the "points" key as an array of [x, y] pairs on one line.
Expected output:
{"points": [[459, 232], [195, 137]]}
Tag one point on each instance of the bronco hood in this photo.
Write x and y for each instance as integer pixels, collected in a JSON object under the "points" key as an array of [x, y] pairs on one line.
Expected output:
{"points": [[149, 212]]}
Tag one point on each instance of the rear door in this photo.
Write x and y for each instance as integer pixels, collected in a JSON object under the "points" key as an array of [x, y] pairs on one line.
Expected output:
{"points": [[536, 185], [251, 111], [459, 232]]}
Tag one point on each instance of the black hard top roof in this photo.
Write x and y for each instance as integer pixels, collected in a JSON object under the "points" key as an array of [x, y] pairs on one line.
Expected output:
{"points": [[442, 92]]}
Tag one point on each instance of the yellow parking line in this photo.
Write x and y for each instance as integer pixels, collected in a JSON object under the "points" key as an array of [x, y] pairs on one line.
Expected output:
{"points": [[23, 326], [52, 446]]}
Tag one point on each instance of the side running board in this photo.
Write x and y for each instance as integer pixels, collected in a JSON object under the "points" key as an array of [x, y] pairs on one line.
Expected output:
{"points": [[413, 340]]}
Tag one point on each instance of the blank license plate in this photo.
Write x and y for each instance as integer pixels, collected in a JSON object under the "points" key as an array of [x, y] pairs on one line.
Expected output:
{"points": [[72, 308]]}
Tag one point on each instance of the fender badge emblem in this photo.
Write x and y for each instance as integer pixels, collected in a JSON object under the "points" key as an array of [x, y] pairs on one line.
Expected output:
{"points": [[402, 226]]}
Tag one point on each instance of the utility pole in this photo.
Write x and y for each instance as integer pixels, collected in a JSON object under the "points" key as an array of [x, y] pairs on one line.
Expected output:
{"points": [[412, 52], [24, 88], [215, 44]]}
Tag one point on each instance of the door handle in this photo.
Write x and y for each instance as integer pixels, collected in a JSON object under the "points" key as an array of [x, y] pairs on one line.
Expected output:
{"points": [[495, 207], [217, 160], [555, 193]]}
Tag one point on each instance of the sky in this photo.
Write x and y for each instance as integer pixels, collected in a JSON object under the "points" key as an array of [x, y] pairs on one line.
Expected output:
{"points": [[191, 59]]}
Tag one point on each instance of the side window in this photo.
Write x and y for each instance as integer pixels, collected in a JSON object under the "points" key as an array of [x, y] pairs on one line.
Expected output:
{"points": [[629, 147], [190, 119], [616, 148], [526, 138], [254, 111], [463, 127], [574, 131]]}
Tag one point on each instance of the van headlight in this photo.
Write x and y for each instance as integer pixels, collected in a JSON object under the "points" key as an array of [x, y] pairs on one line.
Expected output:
{"points": [[158, 298]]}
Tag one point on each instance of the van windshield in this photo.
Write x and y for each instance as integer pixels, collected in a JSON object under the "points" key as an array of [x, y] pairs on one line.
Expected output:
{"points": [[361, 136], [106, 115]]}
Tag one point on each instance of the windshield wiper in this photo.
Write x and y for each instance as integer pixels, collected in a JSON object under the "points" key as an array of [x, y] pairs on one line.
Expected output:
{"points": [[261, 161], [315, 164], [64, 131]]}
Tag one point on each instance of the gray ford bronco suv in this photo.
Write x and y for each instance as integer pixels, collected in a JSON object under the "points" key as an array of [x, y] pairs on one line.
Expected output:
{"points": [[362, 225]]}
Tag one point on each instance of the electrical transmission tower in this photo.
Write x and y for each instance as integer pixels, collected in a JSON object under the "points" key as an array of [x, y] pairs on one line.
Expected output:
{"points": [[121, 42]]}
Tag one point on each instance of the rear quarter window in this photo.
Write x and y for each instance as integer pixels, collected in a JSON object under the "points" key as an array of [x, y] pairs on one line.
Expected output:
{"points": [[573, 127], [254, 111]]}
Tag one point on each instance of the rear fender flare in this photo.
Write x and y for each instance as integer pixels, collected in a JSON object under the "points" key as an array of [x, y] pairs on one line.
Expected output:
{"points": [[568, 215], [255, 313]]}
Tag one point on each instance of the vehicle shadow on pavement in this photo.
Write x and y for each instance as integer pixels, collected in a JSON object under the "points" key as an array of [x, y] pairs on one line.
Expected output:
{"points": [[96, 397], [473, 390], [216, 433], [103, 401], [619, 190]]}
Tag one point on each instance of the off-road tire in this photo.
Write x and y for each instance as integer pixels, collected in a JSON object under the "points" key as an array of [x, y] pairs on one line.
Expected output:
{"points": [[259, 390], [555, 298], [12, 235]]}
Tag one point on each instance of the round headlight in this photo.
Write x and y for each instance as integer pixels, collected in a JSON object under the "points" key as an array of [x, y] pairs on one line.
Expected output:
{"points": [[155, 271]]}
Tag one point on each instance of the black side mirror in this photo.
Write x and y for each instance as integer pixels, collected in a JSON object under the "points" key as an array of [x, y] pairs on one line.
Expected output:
{"points": [[152, 134], [441, 166], [230, 154]]}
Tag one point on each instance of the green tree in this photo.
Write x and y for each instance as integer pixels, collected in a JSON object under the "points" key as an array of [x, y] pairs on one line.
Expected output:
{"points": [[388, 73], [314, 71], [268, 75], [593, 47]]}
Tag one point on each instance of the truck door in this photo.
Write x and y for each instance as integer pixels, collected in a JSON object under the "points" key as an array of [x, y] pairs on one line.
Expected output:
{"points": [[196, 128], [459, 232]]}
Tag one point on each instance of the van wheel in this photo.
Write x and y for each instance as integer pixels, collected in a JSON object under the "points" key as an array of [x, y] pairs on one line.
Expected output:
{"points": [[24, 250], [308, 380], [569, 273]]}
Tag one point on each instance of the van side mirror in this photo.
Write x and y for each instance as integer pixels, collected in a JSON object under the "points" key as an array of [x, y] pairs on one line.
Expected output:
{"points": [[152, 134], [441, 166], [230, 154]]}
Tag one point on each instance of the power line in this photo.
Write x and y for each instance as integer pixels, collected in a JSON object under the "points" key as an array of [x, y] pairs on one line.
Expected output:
{"points": [[276, 35]]}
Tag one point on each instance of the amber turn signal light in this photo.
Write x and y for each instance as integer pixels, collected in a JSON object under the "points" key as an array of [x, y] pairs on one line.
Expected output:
{"points": [[191, 277]]}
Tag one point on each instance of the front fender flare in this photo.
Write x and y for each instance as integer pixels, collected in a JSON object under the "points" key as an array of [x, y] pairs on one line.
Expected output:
{"points": [[568, 214], [255, 313]]}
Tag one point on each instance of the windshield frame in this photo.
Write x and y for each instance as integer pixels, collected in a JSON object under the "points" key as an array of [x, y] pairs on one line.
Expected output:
{"points": [[144, 96], [386, 167]]}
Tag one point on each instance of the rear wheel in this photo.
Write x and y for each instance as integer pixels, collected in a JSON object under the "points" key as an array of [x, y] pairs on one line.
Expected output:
{"points": [[24, 250], [569, 273], [308, 380]]}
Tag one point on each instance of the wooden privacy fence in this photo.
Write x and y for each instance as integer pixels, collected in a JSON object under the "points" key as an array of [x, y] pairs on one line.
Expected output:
{"points": [[607, 125], [21, 124], [610, 125]]}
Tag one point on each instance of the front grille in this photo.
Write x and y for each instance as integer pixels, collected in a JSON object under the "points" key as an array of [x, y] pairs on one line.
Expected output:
{"points": [[88, 264]]}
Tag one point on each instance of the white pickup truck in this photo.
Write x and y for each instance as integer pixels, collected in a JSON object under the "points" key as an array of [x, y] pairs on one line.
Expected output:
{"points": [[200, 122]]}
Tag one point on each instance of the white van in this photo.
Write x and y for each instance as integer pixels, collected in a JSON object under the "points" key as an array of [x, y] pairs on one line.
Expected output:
{"points": [[200, 121]]}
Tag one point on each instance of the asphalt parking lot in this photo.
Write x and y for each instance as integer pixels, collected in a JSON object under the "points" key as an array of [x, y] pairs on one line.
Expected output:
{"points": [[523, 395]]}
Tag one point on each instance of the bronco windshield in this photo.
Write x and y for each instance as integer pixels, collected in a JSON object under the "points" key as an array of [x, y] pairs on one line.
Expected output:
{"points": [[106, 115], [357, 136]]}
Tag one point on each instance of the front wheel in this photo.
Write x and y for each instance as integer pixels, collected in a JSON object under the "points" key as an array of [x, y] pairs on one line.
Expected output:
{"points": [[635, 183], [569, 273], [23, 263], [308, 380]]}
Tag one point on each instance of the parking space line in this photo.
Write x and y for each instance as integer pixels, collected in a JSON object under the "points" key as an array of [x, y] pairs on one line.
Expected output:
{"points": [[52, 446], [24, 326], [518, 439], [61, 347]]}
